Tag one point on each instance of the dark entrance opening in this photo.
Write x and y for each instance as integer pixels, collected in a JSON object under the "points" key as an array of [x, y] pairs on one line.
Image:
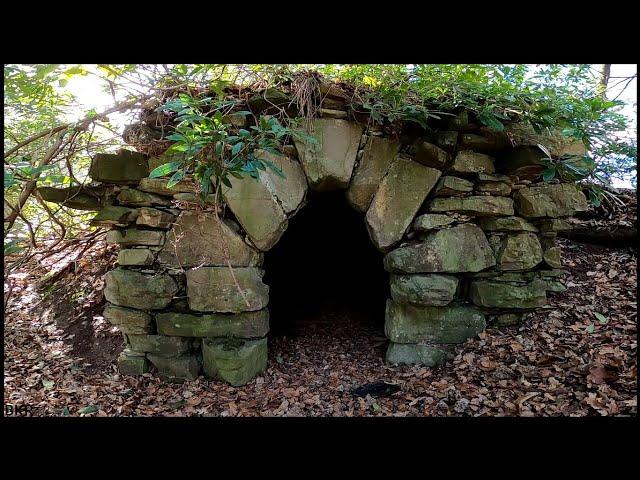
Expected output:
{"points": [[325, 271]]}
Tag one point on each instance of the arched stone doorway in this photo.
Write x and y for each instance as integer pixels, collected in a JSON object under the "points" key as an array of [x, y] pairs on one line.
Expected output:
{"points": [[463, 244]]}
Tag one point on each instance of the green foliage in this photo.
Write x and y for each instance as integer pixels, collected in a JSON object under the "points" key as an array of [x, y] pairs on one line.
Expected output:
{"points": [[208, 146]]}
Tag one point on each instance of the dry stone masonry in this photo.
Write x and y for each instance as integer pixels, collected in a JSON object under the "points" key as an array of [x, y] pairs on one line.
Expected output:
{"points": [[467, 230]]}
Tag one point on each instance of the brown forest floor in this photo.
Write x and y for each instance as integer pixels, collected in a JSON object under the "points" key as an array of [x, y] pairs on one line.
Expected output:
{"points": [[59, 357]]}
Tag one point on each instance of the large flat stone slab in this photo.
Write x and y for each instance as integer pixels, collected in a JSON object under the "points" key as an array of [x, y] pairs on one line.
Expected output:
{"points": [[506, 224], [127, 320], [560, 200], [492, 293], [125, 167], [329, 164], [160, 344], [423, 290], [198, 238], [128, 288], [397, 200], [213, 289], [377, 156], [257, 210], [290, 190], [413, 324], [476, 205], [463, 248], [240, 325], [468, 161], [133, 236]]}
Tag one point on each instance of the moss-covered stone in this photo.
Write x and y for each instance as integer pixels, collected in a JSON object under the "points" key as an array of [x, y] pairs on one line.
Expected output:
{"points": [[198, 238], [559, 200], [213, 289], [482, 206], [411, 353], [468, 161], [553, 225], [128, 288], [128, 321], [240, 325], [160, 344], [494, 188], [506, 224], [135, 257], [552, 257], [497, 294], [134, 236], [423, 290], [329, 163], [125, 167], [397, 200], [234, 361], [521, 251], [176, 369], [132, 364], [431, 221], [479, 143], [268, 99], [413, 324], [113, 216], [377, 156], [257, 210], [78, 198], [463, 248], [452, 187], [134, 197]]}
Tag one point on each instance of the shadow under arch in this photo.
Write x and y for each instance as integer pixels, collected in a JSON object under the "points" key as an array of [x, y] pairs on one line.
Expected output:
{"points": [[325, 269]]}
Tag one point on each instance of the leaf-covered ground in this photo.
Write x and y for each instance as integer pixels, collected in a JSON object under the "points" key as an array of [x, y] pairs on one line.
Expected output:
{"points": [[577, 357]]}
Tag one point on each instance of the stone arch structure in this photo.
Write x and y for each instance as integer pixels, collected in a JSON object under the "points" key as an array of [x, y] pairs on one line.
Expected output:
{"points": [[467, 237]]}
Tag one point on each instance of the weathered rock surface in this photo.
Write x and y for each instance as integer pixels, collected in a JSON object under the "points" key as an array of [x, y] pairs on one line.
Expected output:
{"points": [[134, 197], [128, 321], [257, 210], [463, 248], [378, 154], [410, 353], [452, 186], [290, 189], [431, 155], [329, 164], [423, 290], [475, 205], [412, 324], [160, 344], [152, 217], [128, 288], [125, 167], [553, 225], [213, 289], [198, 238], [134, 236], [235, 362], [521, 251], [494, 188], [431, 221], [397, 200], [552, 257], [132, 364], [184, 367], [492, 293], [158, 186], [560, 200], [506, 224], [240, 325], [113, 216], [135, 257], [468, 161]]}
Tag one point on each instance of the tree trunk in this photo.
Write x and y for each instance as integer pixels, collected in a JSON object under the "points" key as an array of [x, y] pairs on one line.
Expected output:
{"points": [[604, 80]]}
